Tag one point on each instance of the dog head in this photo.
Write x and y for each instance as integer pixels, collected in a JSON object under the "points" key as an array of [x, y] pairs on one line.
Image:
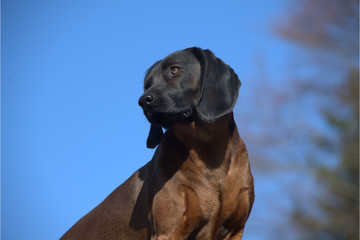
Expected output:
{"points": [[187, 82]]}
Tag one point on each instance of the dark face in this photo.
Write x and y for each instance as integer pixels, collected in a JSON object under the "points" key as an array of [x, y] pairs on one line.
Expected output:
{"points": [[171, 89]]}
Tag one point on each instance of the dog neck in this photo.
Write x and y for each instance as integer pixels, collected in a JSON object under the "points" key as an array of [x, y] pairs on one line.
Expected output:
{"points": [[209, 143]]}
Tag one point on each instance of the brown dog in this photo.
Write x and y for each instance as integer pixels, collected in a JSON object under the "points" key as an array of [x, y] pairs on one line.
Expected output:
{"points": [[198, 185]]}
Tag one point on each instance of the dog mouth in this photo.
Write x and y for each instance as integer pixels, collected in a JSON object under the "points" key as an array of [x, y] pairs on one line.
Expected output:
{"points": [[167, 119]]}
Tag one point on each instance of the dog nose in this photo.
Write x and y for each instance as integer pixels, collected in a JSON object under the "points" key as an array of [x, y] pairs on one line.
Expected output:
{"points": [[146, 99]]}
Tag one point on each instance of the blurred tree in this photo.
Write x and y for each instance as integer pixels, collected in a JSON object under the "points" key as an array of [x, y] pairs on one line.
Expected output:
{"points": [[329, 31]]}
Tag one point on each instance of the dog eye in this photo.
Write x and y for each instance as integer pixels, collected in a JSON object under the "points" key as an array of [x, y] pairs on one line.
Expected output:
{"points": [[174, 70]]}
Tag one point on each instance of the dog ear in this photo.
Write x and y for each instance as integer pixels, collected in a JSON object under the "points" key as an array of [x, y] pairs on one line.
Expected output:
{"points": [[155, 136], [219, 86]]}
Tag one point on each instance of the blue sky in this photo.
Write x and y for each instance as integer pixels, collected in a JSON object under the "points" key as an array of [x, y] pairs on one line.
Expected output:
{"points": [[71, 75]]}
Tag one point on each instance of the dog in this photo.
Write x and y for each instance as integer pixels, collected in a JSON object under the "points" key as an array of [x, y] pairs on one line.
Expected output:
{"points": [[198, 185]]}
